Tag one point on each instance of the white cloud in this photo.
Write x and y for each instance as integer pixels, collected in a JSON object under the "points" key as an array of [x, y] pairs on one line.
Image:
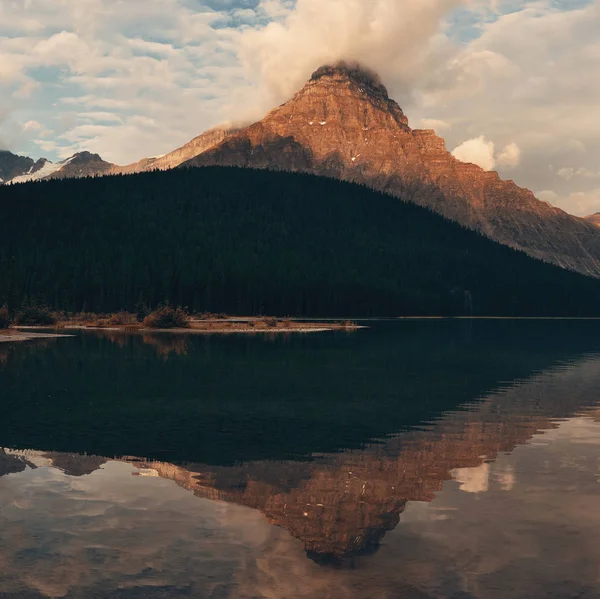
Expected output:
{"points": [[435, 124], [479, 151], [482, 152], [86, 57], [510, 156], [32, 126], [276, 8], [568, 173]]}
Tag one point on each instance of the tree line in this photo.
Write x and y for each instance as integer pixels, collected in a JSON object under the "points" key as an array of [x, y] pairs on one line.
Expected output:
{"points": [[260, 242]]}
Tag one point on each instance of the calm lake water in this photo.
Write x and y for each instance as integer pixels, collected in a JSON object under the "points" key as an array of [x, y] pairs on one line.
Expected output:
{"points": [[420, 459]]}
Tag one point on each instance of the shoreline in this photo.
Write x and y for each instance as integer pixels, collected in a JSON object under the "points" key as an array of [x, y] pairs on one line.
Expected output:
{"points": [[16, 335], [199, 327]]}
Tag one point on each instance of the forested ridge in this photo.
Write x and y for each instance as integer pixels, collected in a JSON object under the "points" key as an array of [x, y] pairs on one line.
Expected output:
{"points": [[260, 242]]}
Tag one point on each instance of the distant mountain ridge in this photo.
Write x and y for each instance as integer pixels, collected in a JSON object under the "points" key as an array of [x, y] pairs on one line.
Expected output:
{"points": [[21, 169], [343, 124]]}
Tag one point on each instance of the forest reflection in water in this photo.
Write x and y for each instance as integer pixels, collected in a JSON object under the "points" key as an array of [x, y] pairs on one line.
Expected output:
{"points": [[493, 496]]}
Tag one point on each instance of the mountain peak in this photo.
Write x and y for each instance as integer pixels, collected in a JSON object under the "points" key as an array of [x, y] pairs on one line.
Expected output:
{"points": [[356, 73], [84, 156]]}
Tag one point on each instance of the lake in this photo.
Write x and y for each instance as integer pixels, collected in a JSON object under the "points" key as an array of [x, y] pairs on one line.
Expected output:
{"points": [[420, 459]]}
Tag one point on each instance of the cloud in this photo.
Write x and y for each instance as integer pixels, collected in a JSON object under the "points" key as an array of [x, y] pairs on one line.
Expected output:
{"points": [[569, 173], [32, 126], [398, 39], [510, 156], [277, 8], [580, 203], [151, 59], [481, 152], [435, 124]]}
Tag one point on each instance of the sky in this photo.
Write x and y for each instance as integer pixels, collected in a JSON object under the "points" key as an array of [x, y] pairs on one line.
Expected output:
{"points": [[513, 85]]}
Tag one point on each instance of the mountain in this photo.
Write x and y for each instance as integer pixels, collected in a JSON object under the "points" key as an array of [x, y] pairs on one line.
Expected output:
{"points": [[20, 169], [594, 219], [343, 124], [12, 165], [197, 146], [251, 242], [82, 164]]}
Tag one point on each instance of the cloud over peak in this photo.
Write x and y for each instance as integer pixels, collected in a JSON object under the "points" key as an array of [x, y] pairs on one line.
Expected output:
{"points": [[396, 39]]}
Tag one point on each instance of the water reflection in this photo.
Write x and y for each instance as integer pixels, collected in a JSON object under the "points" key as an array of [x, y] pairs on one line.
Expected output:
{"points": [[341, 505], [225, 400], [493, 497]]}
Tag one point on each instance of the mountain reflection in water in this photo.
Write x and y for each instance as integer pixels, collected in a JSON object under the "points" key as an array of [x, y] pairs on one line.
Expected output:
{"points": [[505, 446]]}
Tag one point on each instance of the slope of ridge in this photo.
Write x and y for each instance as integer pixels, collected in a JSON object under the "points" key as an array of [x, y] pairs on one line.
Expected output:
{"points": [[594, 219], [343, 124], [21, 169], [198, 145], [250, 241]]}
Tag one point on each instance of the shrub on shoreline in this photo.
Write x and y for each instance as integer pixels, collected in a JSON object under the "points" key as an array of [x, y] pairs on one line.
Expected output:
{"points": [[34, 315], [122, 319], [166, 317]]}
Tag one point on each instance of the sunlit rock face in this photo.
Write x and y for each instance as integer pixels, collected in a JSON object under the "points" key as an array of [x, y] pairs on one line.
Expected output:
{"points": [[343, 124]]}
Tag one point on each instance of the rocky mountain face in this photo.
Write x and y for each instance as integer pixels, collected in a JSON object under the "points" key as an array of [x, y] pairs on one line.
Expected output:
{"points": [[594, 219], [12, 166], [343, 124], [82, 164]]}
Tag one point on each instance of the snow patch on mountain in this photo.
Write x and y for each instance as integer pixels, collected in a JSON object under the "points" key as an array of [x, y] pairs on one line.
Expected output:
{"points": [[48, 169]]}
